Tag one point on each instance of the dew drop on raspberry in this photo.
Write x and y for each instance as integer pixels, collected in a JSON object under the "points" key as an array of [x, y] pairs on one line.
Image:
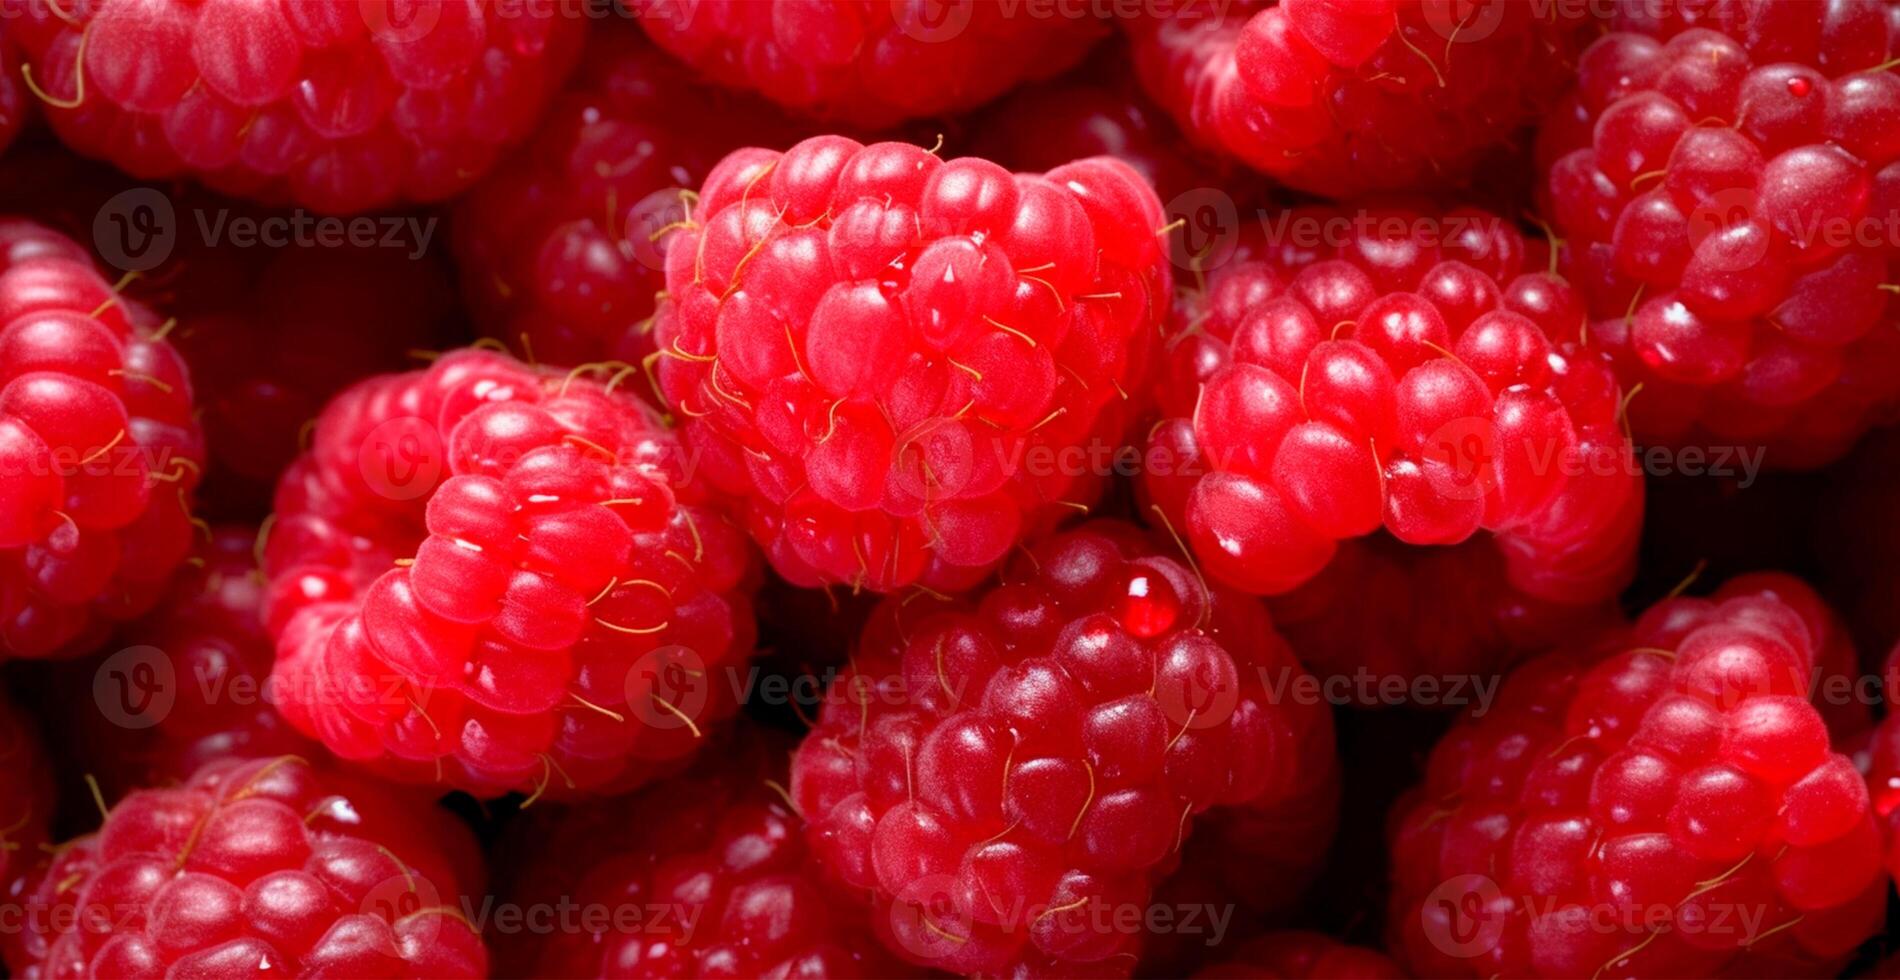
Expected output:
{"points": [[1148, 604]]}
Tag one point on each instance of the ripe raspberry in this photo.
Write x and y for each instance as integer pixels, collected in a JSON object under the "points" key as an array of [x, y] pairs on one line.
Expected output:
{"points": [[261, 865], [895, 352], [99, 451], [1728, 181], [557, 247], [1008, 779], [871, 63], [26, 791], [1297, 955], [1349, 98], [712, 862], [1391, 369], [562, 590], [1663, 802], [336, 105]]}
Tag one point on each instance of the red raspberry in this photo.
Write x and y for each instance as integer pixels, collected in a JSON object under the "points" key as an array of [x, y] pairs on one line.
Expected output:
{"points": [[337, 105], [13, 98], [99, 451], [1728, 179], [896, 352], [1349, 97], [1297, 955], [558, 246], [1663, 802], [708, 872], [1392, 369], [1007, 779], [562, 590], [870, 63], [26, 791], [261, 865]]}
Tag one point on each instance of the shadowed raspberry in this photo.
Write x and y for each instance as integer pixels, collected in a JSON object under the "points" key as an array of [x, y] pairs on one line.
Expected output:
{"points": [[263, 866], [1349, 97], [1727, 180], [14, 100], [1298, 955], [1662, 801], [1007, 778], [502, 578], [870, 62], [336, 105], [894, 352], [99, 450], [26, 791], [702, 875]]}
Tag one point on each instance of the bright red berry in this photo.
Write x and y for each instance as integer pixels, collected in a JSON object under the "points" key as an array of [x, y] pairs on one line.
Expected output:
{"points": [[99, 450], [1298, 955], [1663, 801], [267, 865], [713, 867], [1008, 777], [1729, 190], [335, 105], [905, 359], [502, 578], [870, 63], [1349, 98], [26, 791]]}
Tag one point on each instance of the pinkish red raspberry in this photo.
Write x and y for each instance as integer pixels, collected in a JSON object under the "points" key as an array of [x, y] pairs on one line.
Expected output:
{"points": [[501, 577], [1727, 180], [1297, 955], [895, 354], [1349, 97], [267, 865], [1006, 778], [335, 105], [99, 450], [703, 875], [1662, 801], [26, 791], [870, 63]]}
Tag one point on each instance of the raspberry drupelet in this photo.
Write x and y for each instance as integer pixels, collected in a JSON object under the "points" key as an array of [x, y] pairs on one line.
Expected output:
{"points": [[502, 577], [1662, 801], [1006, 778], [719, 849], [99, 450], [1387, 369], [26, 791], [868, 63], [264, 865], [1299, 955], [335, 105], [1350, 97], [558, 246], [905, 360], [1727, 180]]}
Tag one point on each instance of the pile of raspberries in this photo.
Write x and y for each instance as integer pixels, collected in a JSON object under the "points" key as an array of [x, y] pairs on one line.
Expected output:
{"points": [[903, 488]]}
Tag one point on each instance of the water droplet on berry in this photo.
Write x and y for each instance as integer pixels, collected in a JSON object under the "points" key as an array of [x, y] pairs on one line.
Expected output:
{"points": [[1799, 87], [1148, 604]]}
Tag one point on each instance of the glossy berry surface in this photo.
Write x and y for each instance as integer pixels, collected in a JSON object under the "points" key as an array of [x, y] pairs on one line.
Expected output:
{"points": [[1298, 955], [1400, 372], [719, 849], [1349, 97], [26, 791], [1661, 802], [334, 105], [267, 865], [560, 248], [501, 577], [897, 354], [99, 449], [1728, 184], [868, 63], [1000, 776]]}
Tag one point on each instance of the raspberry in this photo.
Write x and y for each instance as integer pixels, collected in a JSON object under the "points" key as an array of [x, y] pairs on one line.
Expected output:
{"points": [[260, 865], [1390, 369], [1007, 778], [717, 865], [1661, 802], [1296, 955], [896, 353], [1729, 186], [26, 791], [13, 99], [336, 105], [558, 579], [1349, 98], [99, 451], [871, 63], [557, 247]]}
